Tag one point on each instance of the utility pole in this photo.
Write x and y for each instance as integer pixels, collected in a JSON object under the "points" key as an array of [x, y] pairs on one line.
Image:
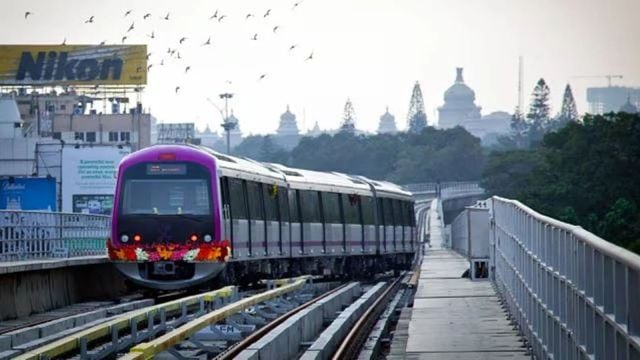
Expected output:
{"points": [[226, 124]]}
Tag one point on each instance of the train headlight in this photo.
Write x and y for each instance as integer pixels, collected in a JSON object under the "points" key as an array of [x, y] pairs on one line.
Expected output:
{"points": [[137, 238], [207, 238], [193, 237], [124, 238]]}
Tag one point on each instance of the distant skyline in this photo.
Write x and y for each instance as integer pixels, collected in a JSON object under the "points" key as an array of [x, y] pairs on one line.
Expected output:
{"points": [[369, 51]]}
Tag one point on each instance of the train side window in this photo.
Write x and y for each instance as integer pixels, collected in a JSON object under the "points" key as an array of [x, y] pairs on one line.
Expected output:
{"points": [[388, 213], [283, 204], [255, 201], [350, 204], [293, 205], [310, 205], [368, 210], [412, 213], [270, 194], [397, 212], [331, 208], [236, 195], [381, 213]]}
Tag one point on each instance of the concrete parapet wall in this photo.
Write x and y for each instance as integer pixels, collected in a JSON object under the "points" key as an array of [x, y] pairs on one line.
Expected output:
{"points": [[29, 292]]}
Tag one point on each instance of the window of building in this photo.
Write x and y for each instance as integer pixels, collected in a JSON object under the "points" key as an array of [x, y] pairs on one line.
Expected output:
{"points": [[57, 135], [113, 136], [63, 107], [91, 136], [125, 136], [79, 136]]}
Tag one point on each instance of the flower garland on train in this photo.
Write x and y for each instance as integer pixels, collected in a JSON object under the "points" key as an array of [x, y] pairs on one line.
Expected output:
{"points": [[217, 251]]}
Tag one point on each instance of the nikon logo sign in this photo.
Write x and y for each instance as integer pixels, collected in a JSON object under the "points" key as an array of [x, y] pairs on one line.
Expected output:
{"points": [[58, 66], [73, 64]]}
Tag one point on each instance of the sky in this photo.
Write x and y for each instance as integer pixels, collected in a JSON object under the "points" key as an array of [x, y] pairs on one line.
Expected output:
{"points": [[371, 51]]}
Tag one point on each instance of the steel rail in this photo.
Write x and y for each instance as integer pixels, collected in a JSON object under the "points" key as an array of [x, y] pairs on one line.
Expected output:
{"points": [[237, 348], [352, 343], [149, 350], [73, 342]]}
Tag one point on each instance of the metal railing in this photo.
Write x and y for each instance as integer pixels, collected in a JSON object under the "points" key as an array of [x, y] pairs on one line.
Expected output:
{"points": [[574, 295], [421, 188], [26, 235]]}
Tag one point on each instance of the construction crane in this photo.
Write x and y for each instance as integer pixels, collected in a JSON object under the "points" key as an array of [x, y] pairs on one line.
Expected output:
{"points": [[226, 124], [608, 77]]}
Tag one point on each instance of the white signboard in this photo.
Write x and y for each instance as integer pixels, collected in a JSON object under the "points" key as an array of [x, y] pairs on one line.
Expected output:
{"points": [[89, 178]]}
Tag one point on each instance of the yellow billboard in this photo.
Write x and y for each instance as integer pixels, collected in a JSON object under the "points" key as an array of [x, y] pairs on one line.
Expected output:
{"points": [[55, 65]]}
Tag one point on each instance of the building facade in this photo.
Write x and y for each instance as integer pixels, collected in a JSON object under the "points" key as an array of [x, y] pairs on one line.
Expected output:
{"points": [[611, 98], [387, 124], [287, 135], [459, 104]]}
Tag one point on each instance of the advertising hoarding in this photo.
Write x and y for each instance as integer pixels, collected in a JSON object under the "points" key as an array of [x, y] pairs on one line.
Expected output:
{"points": [[89, 178], [177, 133], [73, 65], [28, 194]]}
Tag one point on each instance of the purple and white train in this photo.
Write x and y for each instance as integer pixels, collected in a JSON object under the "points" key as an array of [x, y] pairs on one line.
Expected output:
{"points": [[184, 215]]}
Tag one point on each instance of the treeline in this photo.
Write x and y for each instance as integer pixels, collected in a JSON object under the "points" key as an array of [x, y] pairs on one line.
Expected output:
{"points": [[586, 173], [432, 155]]}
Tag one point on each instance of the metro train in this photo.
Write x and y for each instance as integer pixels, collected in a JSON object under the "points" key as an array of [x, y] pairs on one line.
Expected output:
{"points": [[185, 215]]}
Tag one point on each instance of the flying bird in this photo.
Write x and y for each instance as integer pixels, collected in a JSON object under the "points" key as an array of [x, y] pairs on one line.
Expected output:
{"points": [[26, 14], [90, 20], [296, 5], [310, 57], [183, 40], [131, 27], [178, 57], [275, 28], [64, 42], [124, 38], [149, 67], [187, 69], [215, 15], [255, 36], [146, 16], [162, 62], [262, 76], [148, 55], [267, 13], [127, 13], [103, 42], [167, 16], [177, 89], [221, 17], [208, 42], [153, 35], [248, 16], [292, 47]]}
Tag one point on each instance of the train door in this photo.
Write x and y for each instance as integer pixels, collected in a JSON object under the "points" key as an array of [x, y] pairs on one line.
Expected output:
{"points": [[312, 223], [295, 242], [256, 219], [272, 233], [354, 229], [283, 218], [332, 221], [398, 230], [237, 222], [382, 222], [371, 234]]}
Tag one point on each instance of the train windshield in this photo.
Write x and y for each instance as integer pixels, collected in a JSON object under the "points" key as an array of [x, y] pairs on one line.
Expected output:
{"points": [[166, 189]]}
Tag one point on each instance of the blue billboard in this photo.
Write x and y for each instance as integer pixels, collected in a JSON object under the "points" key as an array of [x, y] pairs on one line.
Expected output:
{"points": [[28, 193]]}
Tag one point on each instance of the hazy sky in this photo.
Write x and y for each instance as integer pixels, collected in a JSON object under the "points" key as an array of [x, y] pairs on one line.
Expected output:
{"points": [[372, 51]]}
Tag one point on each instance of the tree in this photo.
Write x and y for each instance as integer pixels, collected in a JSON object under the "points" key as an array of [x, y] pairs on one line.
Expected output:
{"points": [[539, 111], [519, 129], [349, 118], [568, 113], [416, 118]]}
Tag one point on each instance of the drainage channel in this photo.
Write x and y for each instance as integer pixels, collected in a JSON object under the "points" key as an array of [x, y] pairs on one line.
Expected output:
{"points": [[175, 321]]}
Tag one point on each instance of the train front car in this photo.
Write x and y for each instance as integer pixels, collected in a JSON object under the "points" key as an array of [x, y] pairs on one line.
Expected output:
{"points": [[166, 230]]}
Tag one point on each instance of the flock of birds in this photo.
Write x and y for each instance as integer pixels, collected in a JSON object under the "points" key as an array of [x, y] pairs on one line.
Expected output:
{"points": [[174, 52]]}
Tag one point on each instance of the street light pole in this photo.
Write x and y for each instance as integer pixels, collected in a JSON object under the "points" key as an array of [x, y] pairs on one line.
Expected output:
{"points": [[226, 125]]}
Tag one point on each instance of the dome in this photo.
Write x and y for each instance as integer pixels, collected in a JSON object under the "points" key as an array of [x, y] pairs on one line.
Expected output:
{"points": [[288, 125], [287, 116], [628, 107], [459, 90], [387, 123]]}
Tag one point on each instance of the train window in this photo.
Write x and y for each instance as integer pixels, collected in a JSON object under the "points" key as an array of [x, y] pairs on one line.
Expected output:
{"points": [[236, 195], [380, 207], [310, 206], [254, 197], [283, 204], [368, 210], [331, 208], [397, 212], [270, 195], [293, 205], [350, 206], [412, 214], [388, 212]]}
